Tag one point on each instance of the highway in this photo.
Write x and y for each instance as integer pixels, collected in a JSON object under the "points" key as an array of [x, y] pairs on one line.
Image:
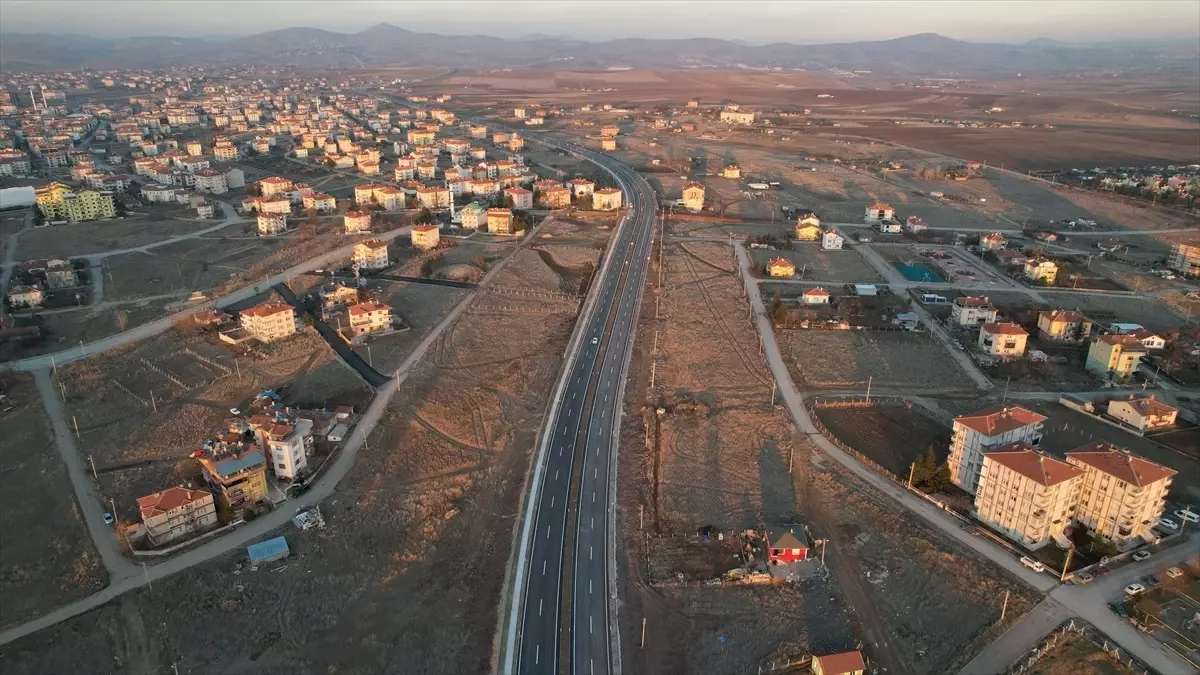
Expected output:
{"points": [[562, 587]]}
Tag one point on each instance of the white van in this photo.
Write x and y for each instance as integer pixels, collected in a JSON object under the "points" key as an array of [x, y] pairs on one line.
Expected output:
{"points": [[1032, 564]]}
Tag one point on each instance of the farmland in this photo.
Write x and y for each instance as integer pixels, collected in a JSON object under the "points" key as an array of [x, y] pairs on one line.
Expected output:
{"points": [[836, 267], [893, 436], [839, 359]]}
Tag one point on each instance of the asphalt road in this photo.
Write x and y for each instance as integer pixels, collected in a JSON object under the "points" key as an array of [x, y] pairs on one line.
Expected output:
{"points": [[563, 595]]}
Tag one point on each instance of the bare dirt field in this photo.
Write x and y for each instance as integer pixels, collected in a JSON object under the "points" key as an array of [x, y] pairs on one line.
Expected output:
{"points": [[46, 556], [1105, 309], [1077, 654], [64, 330], [830, 359], [837, 267], [75, 239], [894, 436], [421, 308]]}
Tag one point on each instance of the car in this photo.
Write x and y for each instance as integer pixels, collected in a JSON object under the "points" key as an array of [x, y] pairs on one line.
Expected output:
{"points": [[1188, 515], [595, 340], [1150, 580], [1118, 609], [108, 518], [1139, 556], [1167, 524], [1174, 572], [1099, 571], [1133, 590], [1083, 578], [1032, 564], [235, 411]]}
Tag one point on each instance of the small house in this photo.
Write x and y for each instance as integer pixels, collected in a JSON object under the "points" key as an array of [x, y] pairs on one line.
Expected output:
{"points": [[781, 267], [786, 544], [842, 663], [832, 241], [1144, 413], [268, 551], [879, 212], [815, 296], [1003, 340]]}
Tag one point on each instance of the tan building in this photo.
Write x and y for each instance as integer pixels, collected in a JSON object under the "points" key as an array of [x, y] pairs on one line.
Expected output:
{"points": [[781, 267], [238, 476], [357, 222], [610, 130], [320, 202], [270, 224], [433, 196], [608, 144], [1185, 259], [274, 185], [1060, 325], [1002, 340], [581, 187], [693, 196], [807, 232], [732, 172], [980, 432], [270, 321], [371, 255], [842, 663], [177, 513], [25, 296], [1026, 495], [60, 274], [738, 116], [500, 221], [993, 241], [879, 212], [1041, 270], [1121, 495], [815, 296], [426, 237], [972, 311], [1114, 356], [557, 197], [1144, 413], [59, 202], [370, 317], [606, 199]]}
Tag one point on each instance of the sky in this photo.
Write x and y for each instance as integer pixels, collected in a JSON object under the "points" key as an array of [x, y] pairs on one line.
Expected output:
{"points": [[753, 21]]}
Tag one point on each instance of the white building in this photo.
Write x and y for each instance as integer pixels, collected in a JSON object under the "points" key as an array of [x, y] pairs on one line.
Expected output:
{"points": [[982, 431], [473, 216], [831, 241], [972, 311], [270, 224], [815, 296], [1003, 340], [211, 181], [287, 446], [371, 255], [1121, 495], [1026, 495], [879, 212]]}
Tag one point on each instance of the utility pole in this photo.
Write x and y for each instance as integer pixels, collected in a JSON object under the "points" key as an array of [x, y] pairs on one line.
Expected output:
{"points": [[1005, 607], [911, 468], [1006, 381], [1067, 564], [93, 463], [791, 454], [76, 423], [870, 378], [774, 383]]}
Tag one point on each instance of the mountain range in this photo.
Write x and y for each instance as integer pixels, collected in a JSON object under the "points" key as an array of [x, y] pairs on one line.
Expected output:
{"points": [[388, 45]]}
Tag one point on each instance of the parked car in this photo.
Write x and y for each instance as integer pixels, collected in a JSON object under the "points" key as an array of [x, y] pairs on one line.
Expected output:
{"points": [[1134, 590], [1139, 556], [108, 518], [1083, 578], [1174, 572], [1118, 609], [1099, 571], [1150, 580], [1167, 524], [1032, 564], [1188, 515]]}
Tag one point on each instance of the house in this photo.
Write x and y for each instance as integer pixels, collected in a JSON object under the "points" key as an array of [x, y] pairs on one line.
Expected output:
{"points": [[972, 311], [581, 187], [500, 221], [25, 296], [887, 227], [808, 229], [1149, 340], [1041, 270], [521, 198], [1121, 495], [270, 321], [369, 317], [1002, 340], [815, 296], [914, 225], [786, 544], [425, 237], [981, 431], [473, 215], [693, 196], [286, 442], [1114, 356], [781, 267], [1144, 413], [831, 241], [731, 172], [879, 212], [606, 199], [371, 254], [993, 241], [270, 224], [238, 476], [335, 295], [1062, 325], [557, 197], [907, 320], [60, 274], [842, 663], [1026, 495], [1011, 258], [357, 222], [176, 513]]}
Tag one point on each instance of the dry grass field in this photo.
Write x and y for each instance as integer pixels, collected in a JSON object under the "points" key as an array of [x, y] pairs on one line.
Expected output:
{"points": [[75, 239], [838, 359]]}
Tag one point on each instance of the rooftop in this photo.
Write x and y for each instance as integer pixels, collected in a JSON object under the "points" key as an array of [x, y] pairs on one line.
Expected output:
{"points": [[996, 421], [267, 309], [1119, 463], [168, 500], [1033, 464], [1003, 329]]}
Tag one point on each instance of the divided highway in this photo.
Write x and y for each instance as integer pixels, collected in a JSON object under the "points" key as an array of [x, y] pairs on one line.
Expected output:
{"points": [[562, 593]]}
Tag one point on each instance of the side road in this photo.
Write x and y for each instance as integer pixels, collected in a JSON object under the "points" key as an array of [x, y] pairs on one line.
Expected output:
{"points": [[1089, 602]]}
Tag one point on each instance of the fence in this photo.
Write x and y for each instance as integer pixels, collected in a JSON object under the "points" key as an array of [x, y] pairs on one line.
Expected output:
{"points": [[852, 403], [1081, 628]]}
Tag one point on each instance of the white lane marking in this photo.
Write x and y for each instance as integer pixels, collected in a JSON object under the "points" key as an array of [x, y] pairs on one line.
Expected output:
{"points": [[547, 531], [593, 496], [556, 474], [540, 600], [591, 552], [589, 623], [560, 449], [596, 473], [593, 522], [543, 568], [589, 587], [551, 501], [537, 654]]}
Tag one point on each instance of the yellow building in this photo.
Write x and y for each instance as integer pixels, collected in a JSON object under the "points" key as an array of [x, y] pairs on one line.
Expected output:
{"points": [[421, 137], [1062, 325], [808, 231], [371, 255], [732, 172], [425, 236], [606, 199], [693, 196], [608, 144], [270, 321], [1121, 495], [500, 221], [781, 267], [369, 317], [1026, 495], [239, 478], [60, 202], [1041, 270], [1114, 355]]}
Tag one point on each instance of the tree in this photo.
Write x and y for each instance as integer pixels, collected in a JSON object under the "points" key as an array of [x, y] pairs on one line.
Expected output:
{"points": [[425, 216], [427, 267], [924, 468], [122, 319]]}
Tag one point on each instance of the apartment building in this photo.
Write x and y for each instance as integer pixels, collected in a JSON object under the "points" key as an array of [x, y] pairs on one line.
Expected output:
{"points": [[286, 444], [972, 311], [357, 222], [500, 221], [274, 185], [1041, 270], [980, 432], [270, 321], [238, 476], [1185, 259], [693, 196], [1061, 325], [319, 202], [557, 197], [211, 181], [521, 198], [369, 317], [177, 513], [1121, 495], [371, 255], [421, 137], [433, 196], [879, 212], [1114, 356], [993, 241], [59, 202], [425, 237], [1026, 495], [473, 215], [607, 199], [1002, 340], [738, 116], [271, 224]]}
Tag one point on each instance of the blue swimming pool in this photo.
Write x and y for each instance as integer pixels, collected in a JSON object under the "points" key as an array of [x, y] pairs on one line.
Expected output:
{"points": [[919, 273]]}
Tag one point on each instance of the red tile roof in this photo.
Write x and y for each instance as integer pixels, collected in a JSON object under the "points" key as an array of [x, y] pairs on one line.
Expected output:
{"points": [[1033, 464], [1003, 329], [1119, 463], [168, 500], [368, 307], [841, 663], [268, 309], [996, 421], [1148, 405]]}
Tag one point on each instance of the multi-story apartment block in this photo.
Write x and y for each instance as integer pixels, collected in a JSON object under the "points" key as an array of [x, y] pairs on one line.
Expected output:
{"points": [[369, 317], [557, 197], [59, 202], [433, 196], [473, 215], [270, 321], [270, 224], [176, 513], [319, 202], [1041, 270], [1185, 259], [581, 187], [211, 181], [972, 311], [879, 212], [1061, 325], [1114, 356], [485, 187], [738, 116], [1003, 340], [425, 237], [357, 222], [521, 198], [1121, 495], [606, 199], [371, 255], [500, 221], [238, 475], [1026, 495], [286, 444], [982, 431], [421, 137]]}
